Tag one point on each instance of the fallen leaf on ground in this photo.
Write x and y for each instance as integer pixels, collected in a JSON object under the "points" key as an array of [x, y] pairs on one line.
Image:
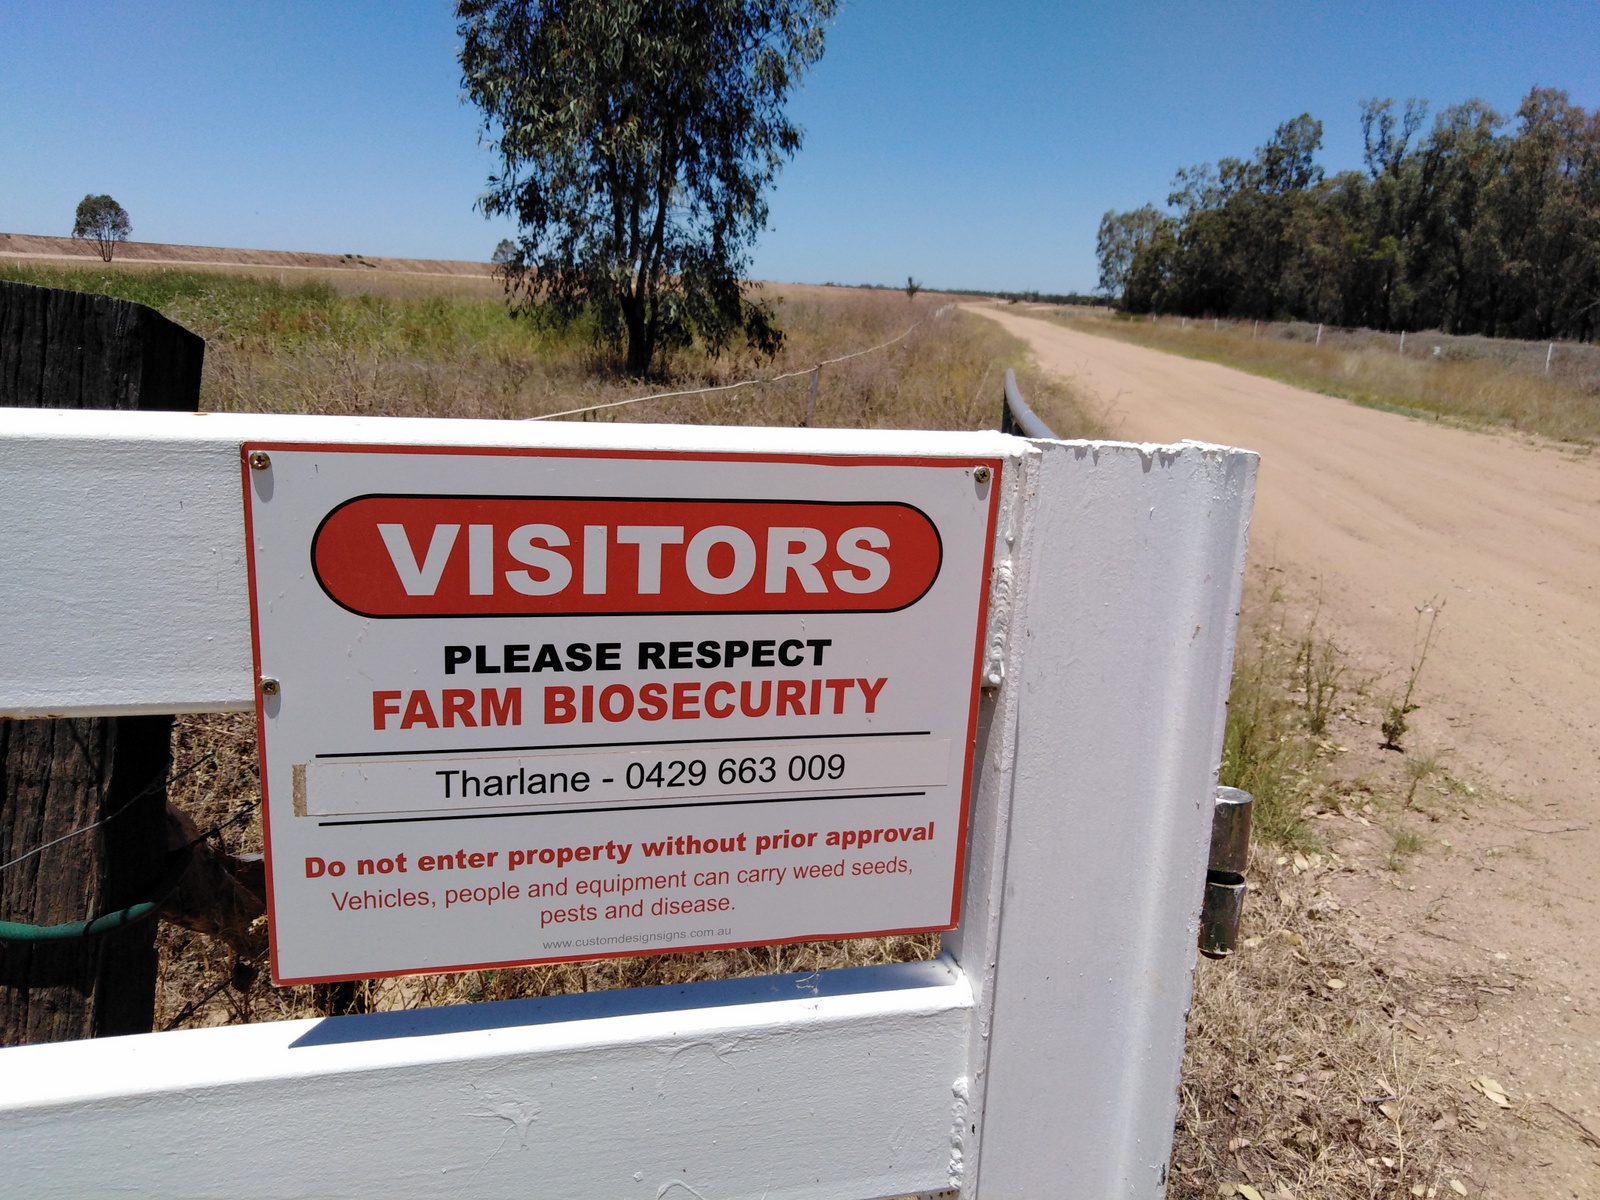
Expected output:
{"points": [[1336, 985], [1301, 863], [1248, 1192], [1492, 1090], [1390, 1110], [1414, 1025], [1294, 939], [1458, 1187]]}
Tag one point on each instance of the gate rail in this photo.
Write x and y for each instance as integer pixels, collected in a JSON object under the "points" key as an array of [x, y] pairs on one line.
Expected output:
{"points": [[1017, 417]]}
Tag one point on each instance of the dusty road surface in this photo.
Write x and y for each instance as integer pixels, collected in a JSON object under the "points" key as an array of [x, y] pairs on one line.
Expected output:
{"points": [[1373, 514]]}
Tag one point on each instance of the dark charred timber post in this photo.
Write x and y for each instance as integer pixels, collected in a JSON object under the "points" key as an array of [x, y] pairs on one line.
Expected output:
{"points": [[63, 349]]}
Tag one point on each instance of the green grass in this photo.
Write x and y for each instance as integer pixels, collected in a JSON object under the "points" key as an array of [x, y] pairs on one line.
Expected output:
{"points": [[1268, 749], [264, 313], [1406, 842]]}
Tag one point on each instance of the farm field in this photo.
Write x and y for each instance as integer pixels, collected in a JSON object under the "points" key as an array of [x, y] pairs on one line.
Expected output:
{"points": [[1481, 890]]}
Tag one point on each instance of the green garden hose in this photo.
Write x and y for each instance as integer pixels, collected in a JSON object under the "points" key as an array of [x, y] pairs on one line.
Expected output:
{"points": [[67, 931]]}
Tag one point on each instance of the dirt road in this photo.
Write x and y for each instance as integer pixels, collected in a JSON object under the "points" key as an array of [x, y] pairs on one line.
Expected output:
{"points": [[1373, 514]]}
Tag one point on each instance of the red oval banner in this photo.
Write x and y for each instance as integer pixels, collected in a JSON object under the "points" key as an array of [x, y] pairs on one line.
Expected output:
{"points": [[448, 556]]}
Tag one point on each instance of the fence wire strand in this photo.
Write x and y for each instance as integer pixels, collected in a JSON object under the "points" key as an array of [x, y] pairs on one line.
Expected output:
{"points": [[744, 383], [163, 781]]}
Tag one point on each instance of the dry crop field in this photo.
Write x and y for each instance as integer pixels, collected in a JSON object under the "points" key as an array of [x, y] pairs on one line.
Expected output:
{"points": [[1277, 1034]]}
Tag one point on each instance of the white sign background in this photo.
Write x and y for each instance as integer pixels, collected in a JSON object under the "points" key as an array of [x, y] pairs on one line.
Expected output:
{"points": [[373, 871]]}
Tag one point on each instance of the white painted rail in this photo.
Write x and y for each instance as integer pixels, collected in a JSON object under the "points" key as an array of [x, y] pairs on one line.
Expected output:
{"points": [[1039, 1057]]}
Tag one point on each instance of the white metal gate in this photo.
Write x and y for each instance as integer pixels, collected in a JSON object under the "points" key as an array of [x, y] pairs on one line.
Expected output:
{"points": [[1039, 1056]]}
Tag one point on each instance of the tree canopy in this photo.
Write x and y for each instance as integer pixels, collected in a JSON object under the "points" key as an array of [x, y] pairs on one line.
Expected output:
{"points": [[637, 141], [1483, 224], [102, 220]]}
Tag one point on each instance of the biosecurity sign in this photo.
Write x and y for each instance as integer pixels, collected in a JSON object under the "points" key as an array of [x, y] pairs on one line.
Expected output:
{"points": [[524, 706]]}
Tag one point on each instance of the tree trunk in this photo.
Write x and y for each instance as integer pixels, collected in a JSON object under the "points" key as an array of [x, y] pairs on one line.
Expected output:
{"points": [[641, 346], [63, 349]]}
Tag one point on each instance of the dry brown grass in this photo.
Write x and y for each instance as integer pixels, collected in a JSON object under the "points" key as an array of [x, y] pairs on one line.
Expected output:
{"points": [[1303, 1076], [1473, 380], [944, 375], [1311, 1067]]}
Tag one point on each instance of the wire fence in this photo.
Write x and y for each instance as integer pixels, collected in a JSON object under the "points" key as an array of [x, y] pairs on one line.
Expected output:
{"points": [[754, 382], [1574, 363]]}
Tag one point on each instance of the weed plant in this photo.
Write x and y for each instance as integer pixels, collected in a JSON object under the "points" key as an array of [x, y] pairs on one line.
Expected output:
{"points": [[1268, 746], [1401, 707]]}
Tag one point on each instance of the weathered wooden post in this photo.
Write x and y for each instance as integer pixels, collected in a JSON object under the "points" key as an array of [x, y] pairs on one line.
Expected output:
{"points": [[105, 776]]}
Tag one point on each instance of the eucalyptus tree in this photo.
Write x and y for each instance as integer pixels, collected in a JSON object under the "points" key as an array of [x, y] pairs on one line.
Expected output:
{"points": [[637, 142], [103, 221], [1481, 225]]}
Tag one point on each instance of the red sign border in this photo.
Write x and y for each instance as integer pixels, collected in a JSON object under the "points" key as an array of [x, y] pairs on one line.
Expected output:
{"points": [[968, 462]]}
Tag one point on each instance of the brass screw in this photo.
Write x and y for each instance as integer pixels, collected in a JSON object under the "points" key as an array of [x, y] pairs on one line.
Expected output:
{"points": [[269, 686], [981, 474], [259, 460]]}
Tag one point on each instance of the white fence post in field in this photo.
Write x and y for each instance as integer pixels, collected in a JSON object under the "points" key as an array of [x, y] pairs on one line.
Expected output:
{"points": [[1038, 1057]]}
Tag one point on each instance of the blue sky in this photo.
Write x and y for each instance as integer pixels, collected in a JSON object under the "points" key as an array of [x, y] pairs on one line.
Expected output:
{"points": [[971, 144]]}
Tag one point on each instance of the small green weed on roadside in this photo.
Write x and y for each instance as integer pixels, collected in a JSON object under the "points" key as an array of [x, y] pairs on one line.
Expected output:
{"points": [[1271, 740], [1405, 843], [1398, 709]]}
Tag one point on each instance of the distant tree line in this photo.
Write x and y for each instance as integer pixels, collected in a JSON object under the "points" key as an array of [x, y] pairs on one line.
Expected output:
{"points": [[1483, 225]]}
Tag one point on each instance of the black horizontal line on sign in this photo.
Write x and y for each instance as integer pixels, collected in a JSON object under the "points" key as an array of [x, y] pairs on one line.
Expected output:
{"points": [[557, 812], [787, 737]]}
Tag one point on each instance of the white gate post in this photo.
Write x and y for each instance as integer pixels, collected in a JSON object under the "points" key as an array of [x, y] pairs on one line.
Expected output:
{"points": [[1093, 812]]}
